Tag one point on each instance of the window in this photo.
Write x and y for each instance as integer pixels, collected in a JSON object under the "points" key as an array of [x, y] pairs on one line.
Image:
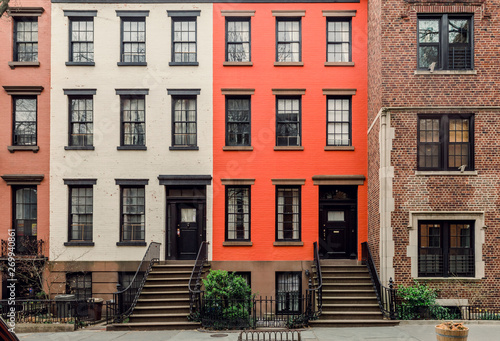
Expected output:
{"points": [[133, 213], [81, 121], [238, 39], [446, 249], [81, 212], [445, 142], [288, 213], [133, 117], [338, 121], [26, 39], [338, 40], [445, 42], [81, 39], [288, 114], [288, 40], [133, 49], [184, 40], [25, 219], [238, 213], [25, 120], [288, 292], [184, 121], [238, 121], [79, 284]]}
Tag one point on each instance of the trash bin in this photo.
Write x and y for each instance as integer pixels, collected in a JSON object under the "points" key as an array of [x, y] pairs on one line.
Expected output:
{"points": [[64, 304], [95, 308]]}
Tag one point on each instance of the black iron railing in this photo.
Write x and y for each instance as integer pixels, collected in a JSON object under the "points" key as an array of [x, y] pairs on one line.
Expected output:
{"points": [[314, 293], [386, 296], [436, 312], [124, 301], [195, 297]]}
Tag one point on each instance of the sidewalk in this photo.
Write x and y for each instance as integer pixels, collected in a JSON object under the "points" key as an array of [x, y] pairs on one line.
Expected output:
{"points": [[407, 331]]}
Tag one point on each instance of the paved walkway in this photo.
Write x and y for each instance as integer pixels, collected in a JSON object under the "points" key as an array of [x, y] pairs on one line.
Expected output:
{"points": [[424, 331]]}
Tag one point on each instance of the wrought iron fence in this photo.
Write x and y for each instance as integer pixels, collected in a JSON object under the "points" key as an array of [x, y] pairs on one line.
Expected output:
{"points": [[437, 312], [125, 300], [314, 293], [386, 296], [195, 282]]}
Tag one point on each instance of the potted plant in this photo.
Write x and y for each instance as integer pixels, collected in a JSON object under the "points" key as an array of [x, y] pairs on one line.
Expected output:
{"points": [[451, 331]]}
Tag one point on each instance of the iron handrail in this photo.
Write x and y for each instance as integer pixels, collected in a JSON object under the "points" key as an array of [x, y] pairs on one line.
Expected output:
{"points": [[386, 296], [151, 256], [194, 287], [313, 292]]}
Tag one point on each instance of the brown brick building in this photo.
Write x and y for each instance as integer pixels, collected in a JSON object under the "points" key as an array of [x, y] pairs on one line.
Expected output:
{"points": [[433, 126]]}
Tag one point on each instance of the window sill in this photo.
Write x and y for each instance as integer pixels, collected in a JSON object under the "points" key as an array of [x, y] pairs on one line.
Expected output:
{"points": [[80, 63], [285, 243], [288, 64], [238, 148], [339, 148], [13, 149], [448, 279], [446, 72], [183, 148], [339, 63], [287, 148], [446, 173], [13, 65], [132, 64], [183, 64], [237, 64], [131, 243], [79, 147], [236, 243], [79, 244], [132, 148]]}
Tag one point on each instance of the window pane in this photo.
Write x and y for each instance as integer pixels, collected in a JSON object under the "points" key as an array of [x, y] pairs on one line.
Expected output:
{"points": [[428, 30]]}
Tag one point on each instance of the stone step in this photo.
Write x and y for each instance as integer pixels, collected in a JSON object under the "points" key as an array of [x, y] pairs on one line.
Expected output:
{"points": [[350, 279], [165, 294], [349, 293], [348, 286], [353, 315], [138, 318], [143, 301], [154, 287], [372, 307], [353, 323], [154, 326], [349, 300], [167, 280], [162, 309]]}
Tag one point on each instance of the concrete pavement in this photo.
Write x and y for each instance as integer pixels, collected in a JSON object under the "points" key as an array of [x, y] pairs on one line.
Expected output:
{"points": [[406, 331]]}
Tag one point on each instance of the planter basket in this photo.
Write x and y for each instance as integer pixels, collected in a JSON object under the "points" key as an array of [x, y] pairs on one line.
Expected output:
{"points": [[451, 335]]}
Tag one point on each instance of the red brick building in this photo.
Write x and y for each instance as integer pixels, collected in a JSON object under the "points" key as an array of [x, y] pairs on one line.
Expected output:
{"points": [[433, 207]]}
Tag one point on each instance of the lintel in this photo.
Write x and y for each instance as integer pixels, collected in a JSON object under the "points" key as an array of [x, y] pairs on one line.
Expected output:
{"points": [[74, 13], [339, 92], [25, 11], [82, 182], [338, 180], [288, 182], [131, 182], [288, 13], [23, 90], [183, 13], [77, 92], [289, 91], [23, 179], [237, 91], [229, 13], [339, 14], [183, 92], [228, 182], [185, 180], [132, 13], [132, 91]]}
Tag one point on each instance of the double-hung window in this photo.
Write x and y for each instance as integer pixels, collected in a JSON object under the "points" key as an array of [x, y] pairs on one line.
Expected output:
{"points": [[26, 39], [238, 39], [445, 142], [25, 120], [445, 42], [79, 284], [446, 249], [184, 118], [288, 121], [288, 213], [288, 40], [338, 121], [81, 118], [237, 213], [238, 121], [184, 37], [81, 40], [338, 40], [132, 118], [288, 292], [133, 207], [81, 213], [133, 37]]}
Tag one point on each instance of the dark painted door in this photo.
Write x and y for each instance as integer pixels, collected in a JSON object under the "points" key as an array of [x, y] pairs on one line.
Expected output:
{"points": [[336, 232], [188, 232]]}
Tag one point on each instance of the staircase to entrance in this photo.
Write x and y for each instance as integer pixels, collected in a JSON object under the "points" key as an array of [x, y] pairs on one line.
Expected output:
{"points": [[348, 296], [164, 301]]}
